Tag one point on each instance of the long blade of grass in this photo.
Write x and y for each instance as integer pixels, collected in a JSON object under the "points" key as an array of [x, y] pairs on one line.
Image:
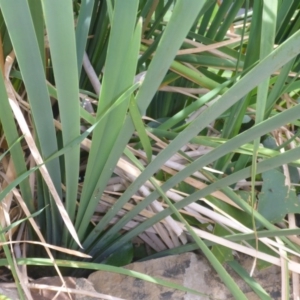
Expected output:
{"points": [[11, 135], [266, 47], [60, 28], [38, 23], [183, 16], [21, 30], [115, 82], [82, 29], [19, 24]]}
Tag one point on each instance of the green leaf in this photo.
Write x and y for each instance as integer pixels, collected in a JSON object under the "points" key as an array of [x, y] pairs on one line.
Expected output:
{"points": [[123, 256], [274, 200], [60, 28]]}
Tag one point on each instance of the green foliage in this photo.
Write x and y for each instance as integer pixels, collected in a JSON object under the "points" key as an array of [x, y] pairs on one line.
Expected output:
{"points": [[275, 199], [152, 100], [121, 257]]}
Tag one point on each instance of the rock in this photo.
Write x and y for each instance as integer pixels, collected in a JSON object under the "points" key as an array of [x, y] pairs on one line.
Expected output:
{"points": [[189, 270], [84, 285], [81, 284], [44, 293]]}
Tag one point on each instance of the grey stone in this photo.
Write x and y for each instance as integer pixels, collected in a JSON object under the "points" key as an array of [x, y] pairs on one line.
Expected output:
{"points": [[84, 285], [189, 270]]}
